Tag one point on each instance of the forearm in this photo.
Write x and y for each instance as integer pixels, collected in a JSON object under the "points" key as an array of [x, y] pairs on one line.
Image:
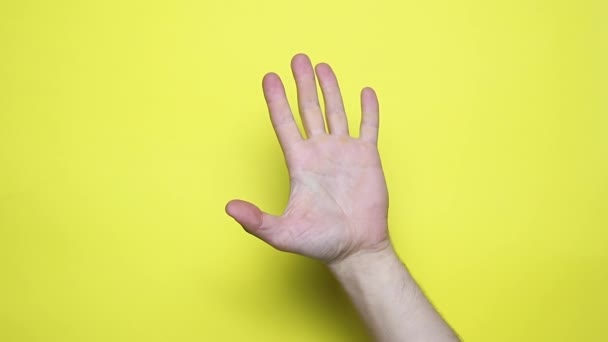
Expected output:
{"points": [[388, 298]]}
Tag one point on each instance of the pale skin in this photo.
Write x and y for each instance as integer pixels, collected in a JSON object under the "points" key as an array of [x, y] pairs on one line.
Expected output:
{"points": [[337, 210]]}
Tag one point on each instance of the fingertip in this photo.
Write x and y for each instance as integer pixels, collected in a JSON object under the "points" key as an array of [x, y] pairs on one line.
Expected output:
{"points": [[301, 65], [270, 78], [299, 57], [229, 208], [246, 214], [272, 86], [323, 69], [369, 115], [321, 66], [368, 91], [369, 99]]}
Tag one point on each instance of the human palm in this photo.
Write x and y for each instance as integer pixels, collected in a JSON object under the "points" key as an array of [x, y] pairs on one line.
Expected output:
{"points": [[338, 202]]}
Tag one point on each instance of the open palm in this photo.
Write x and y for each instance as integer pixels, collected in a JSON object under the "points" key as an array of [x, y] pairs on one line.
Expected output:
{"points": [[338, 202]]}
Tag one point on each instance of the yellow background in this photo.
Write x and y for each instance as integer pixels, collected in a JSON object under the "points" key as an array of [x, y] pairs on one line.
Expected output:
{"points": [[125, 127]]}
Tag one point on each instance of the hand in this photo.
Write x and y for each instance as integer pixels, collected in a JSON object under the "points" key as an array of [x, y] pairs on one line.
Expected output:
{"points": [[338, 203]]}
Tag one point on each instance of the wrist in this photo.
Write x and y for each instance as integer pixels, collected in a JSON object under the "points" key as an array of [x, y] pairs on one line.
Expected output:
{"points": [[365, 260]]}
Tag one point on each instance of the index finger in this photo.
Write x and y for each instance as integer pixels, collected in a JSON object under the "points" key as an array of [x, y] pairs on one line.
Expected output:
{"points": [[281, 116]]}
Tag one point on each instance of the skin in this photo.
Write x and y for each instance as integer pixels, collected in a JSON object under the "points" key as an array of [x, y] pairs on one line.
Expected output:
{"points": [[338, 202], [338, 205]]}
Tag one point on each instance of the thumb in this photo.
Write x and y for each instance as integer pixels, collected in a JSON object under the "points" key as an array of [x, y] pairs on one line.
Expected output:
{"points": [[253, 220]]}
